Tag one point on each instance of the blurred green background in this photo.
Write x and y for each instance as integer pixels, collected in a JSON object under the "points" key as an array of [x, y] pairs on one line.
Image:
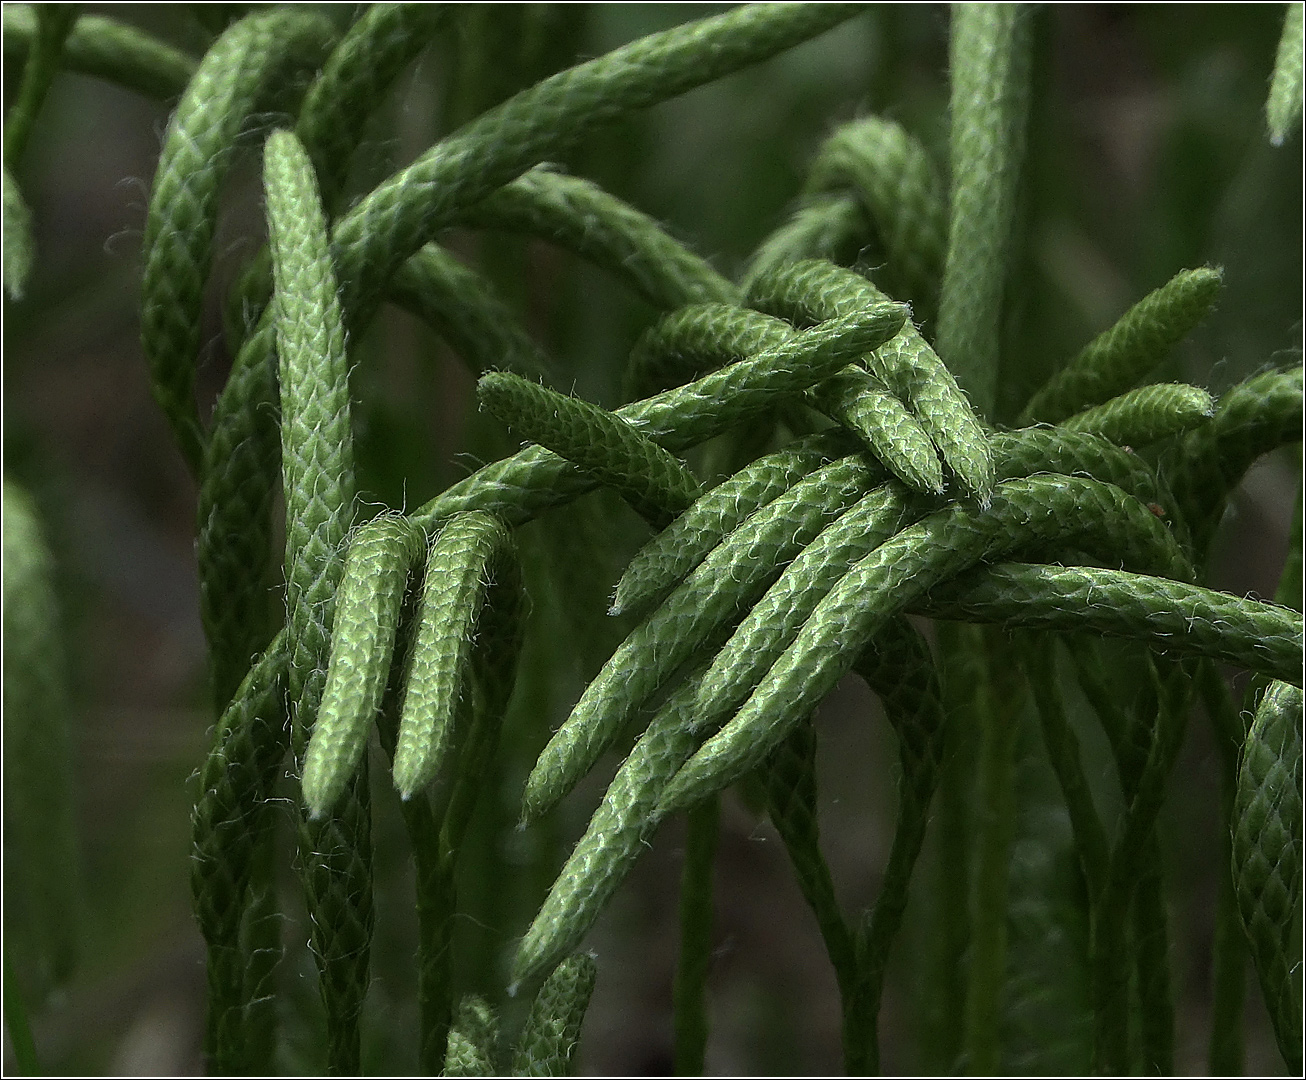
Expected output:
{"points": [[1147, 154]]}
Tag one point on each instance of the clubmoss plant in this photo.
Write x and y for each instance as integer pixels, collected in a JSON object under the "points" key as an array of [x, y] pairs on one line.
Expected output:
{"points": [[832, 471]]}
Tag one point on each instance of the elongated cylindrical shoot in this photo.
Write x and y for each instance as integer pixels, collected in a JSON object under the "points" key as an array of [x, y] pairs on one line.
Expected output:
{"points": [[676, 550], [862, 404], [53, 22], [581, 217], [773, 623], [463, 561], [613, 839], [1250, 419], [1120, 357], [727, 580], [248, 64], [19, 246], [543, 121], [231, 815], [473, 1040], [1145, 415], [463, 307], [896, 181], [403, 214], [105, 49], [810, 291], [1040, 509], [548, 1042], [519, 487], [1267, 846], [1283, 106], [353, 81], [989, 53], [654, 481], [41, 873], [318, 481], [1170, 615], [380, 556]]}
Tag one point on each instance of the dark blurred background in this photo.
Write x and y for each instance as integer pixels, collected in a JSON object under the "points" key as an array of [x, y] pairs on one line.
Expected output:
{"points": [[1147, 154]]}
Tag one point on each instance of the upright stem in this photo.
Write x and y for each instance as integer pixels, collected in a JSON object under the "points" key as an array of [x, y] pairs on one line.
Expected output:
{"points": [[996, 817], [689, 995], [990, 53]]}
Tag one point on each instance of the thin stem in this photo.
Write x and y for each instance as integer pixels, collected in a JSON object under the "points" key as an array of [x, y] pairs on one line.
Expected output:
{"points": [[690, 993], [1229, 948], [996, 816]]}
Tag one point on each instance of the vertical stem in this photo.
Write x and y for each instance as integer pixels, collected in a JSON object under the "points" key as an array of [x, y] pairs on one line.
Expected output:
{"points": [[1152, 957], [1135, 847], [790, 782], [262, 948], [1229, 949], [996, 817], [990, 54], [946, 980], [689, 995]]}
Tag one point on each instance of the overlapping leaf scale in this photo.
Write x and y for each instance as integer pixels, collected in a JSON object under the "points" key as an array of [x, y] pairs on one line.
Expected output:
{"points": [[363, 632], [734, 573], [1145, 415], [1251, 419], [471, 558], [230, 816], [1048, 509], [682, 545], [406, 212], [548, 1041], [695, 339], [519, 487], [473, 1040], [244, 69], [810, 291], [1267, 858], [653, 480], [862, 404], [1169, 615], [892, 175], [1121, 356]]}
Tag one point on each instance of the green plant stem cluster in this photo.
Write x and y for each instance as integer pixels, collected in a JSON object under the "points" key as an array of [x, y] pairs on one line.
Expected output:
{"points": [[756, 593]]}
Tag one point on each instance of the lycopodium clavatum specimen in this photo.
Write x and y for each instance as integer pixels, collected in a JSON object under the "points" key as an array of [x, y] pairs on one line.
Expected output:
{"points": [[762, 539]]}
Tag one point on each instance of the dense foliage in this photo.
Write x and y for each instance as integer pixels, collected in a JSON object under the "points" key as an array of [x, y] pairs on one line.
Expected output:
{"points": [[942, 349]]}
